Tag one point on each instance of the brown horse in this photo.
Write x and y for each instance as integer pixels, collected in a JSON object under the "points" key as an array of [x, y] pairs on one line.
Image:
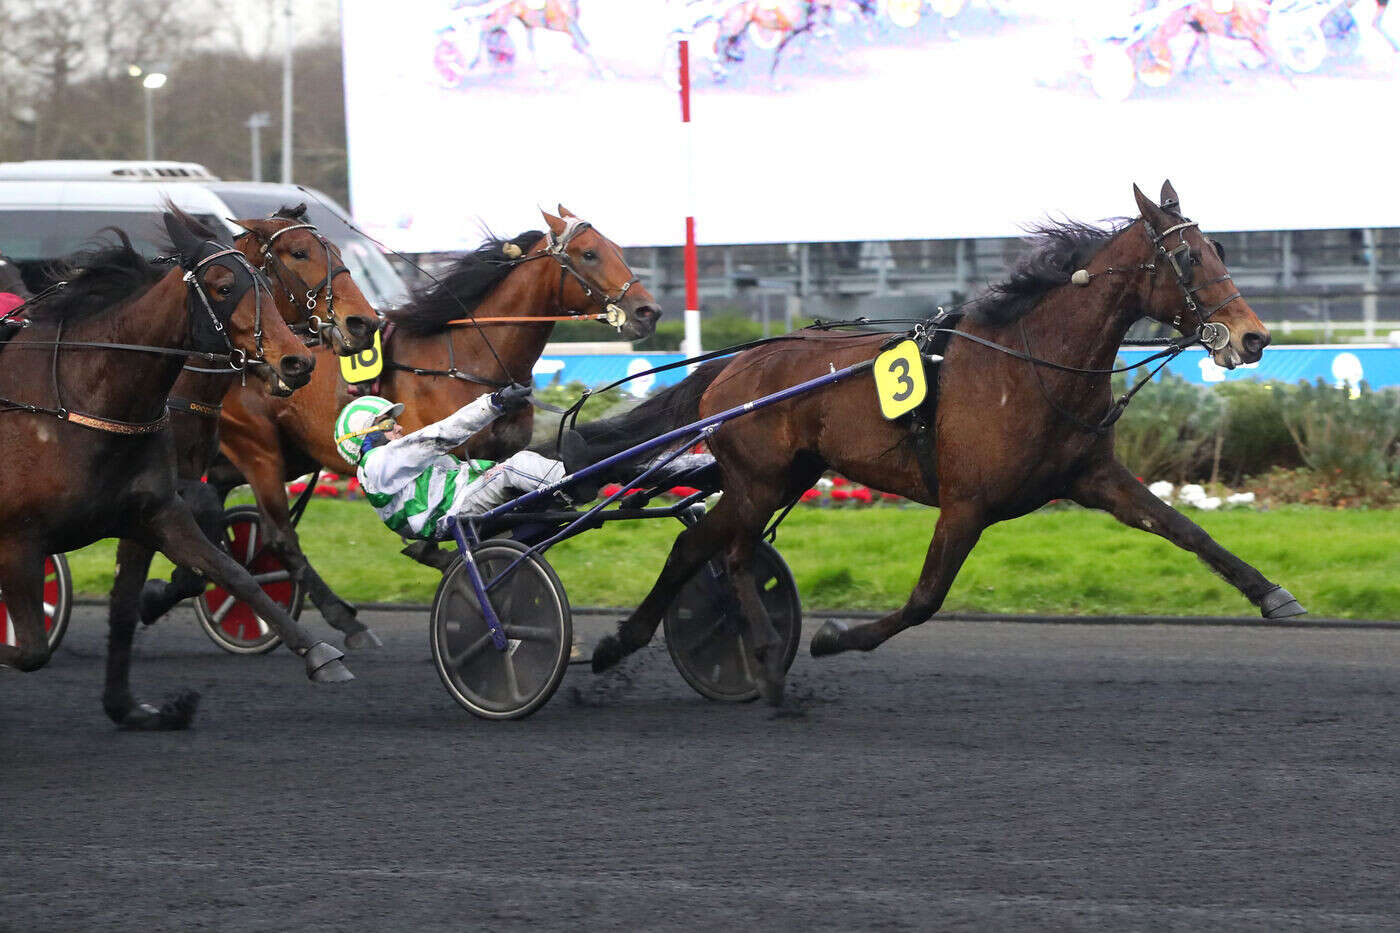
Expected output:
{"points": [[433, 367], [1009, 435], [84, 449], [331, 313]]}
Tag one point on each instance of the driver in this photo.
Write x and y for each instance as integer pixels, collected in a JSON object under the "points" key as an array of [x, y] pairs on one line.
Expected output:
{"points": [[412, 481]]}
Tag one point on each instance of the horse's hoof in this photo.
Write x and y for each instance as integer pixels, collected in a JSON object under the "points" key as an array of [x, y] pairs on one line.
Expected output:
{"points": [[608, 652], [771, 691], [1278, 603], [176, 713], [324, 665], [154, 602], [827, 639], [363, 640]]}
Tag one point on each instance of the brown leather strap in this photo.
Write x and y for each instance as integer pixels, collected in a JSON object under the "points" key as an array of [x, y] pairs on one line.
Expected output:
{"points": [[117, 427]]}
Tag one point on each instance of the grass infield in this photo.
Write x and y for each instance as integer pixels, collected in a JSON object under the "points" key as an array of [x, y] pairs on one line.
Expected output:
{"points": [[1343, 564]]}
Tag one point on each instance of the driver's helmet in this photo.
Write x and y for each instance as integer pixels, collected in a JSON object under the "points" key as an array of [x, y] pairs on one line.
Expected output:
{"points": [[362, 416]]}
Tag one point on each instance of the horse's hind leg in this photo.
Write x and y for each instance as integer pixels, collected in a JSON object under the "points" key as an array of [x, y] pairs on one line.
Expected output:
{"points": [[691, 549], [160, 596], [960, 524], [22, 581], [173, 528], [133, 562], [767, 643], [1111, 487]]}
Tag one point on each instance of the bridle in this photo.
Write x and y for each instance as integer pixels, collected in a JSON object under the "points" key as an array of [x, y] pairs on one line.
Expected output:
{"points": [[1182, 260], [236, 359], [299, 293], [556, 248]]}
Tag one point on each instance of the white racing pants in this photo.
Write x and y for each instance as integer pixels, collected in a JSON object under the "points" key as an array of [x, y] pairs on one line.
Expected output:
{"points": [[524, 472]]}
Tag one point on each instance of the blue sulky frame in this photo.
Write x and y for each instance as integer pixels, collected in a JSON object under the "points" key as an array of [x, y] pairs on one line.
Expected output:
{"points": [[465, 528]]}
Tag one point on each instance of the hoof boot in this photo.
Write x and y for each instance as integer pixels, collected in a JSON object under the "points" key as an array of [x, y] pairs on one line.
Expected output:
{"points": [[608, 652], [324, 665], [827, 639], [1278, 603], [154, 600], [363, 640]]}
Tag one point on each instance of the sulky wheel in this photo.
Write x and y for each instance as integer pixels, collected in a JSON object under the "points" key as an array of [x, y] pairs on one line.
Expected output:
{"points": [[231, 624], [58, 603], [533, 608], [708, 636]]}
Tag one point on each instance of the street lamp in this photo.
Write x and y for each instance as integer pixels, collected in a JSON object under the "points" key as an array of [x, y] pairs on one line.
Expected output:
{"points": [[255, 123], [152, 81]]}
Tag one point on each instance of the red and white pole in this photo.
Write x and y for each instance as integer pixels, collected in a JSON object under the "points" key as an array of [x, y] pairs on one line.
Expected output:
{"points": [[691, 344]]}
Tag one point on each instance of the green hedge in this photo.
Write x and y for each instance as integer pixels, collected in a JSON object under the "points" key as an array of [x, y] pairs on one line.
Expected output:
{"points": [[1179, 431]]}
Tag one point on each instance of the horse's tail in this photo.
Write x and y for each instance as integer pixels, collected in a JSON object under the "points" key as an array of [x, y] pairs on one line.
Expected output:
{"points": [[669, 409]]}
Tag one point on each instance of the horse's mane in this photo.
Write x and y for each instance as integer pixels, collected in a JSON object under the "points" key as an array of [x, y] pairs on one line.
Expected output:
{"points": [[98, 279], [457, 294], [108, 274], [1055, 249]]}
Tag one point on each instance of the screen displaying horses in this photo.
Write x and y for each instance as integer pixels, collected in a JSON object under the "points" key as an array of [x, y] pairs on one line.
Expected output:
{"points": [[862, 119]]}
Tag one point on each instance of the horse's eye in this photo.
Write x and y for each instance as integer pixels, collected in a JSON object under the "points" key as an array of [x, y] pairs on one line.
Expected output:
{"points": [[590, 256], [225, 290], [298, 254]]}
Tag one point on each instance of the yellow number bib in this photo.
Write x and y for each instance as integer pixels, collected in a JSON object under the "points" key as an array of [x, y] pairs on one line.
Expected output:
{"points": [[899, 379], [365, 365]]}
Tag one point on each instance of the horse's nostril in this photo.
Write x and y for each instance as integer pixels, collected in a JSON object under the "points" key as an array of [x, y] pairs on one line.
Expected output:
{"points": [[293, 367], [648, 312], [1254, 342], [359, 326]]}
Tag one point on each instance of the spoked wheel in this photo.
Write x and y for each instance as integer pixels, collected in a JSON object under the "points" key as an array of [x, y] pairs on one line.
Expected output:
{"points": [[708, 636], [58, 603], [531, 605], [230, 623]]}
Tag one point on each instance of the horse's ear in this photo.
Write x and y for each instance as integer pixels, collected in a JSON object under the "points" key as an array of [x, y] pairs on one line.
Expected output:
{"points": [[248, 228], [556, 226], [185, 242], [1170, 202], [1149, 211], [565, 212]]}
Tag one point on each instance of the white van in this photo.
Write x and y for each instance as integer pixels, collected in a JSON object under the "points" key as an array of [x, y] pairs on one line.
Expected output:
{"points": [[50, 209]]}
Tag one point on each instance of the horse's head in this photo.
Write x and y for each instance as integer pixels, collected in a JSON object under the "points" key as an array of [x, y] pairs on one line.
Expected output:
{"points": [[600, 278], [313, 288], [227, 300], [1191, 288]]}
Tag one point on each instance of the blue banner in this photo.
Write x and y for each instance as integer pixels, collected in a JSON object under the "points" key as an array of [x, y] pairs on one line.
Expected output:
{"points": [[1376, 365], [1334, 364]]}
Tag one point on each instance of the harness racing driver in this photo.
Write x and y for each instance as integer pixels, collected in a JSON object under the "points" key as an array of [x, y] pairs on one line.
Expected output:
{"points": [[412, 481]]}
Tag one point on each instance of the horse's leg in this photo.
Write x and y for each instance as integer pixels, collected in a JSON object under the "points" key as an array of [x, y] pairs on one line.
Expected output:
{"points": [[158, 597], [767, 643], [264, 474], [960, 524], [1111, 487], [692, 548], [133, 562], [22, 581], [174, 531]]}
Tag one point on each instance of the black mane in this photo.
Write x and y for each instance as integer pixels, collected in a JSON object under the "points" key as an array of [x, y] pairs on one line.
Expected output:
{"points": [[1055, 250], [457, 294], [109, 274], [98, 279]]}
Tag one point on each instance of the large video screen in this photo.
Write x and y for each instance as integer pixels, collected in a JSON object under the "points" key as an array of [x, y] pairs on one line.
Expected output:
{"points": [[820, 120]]}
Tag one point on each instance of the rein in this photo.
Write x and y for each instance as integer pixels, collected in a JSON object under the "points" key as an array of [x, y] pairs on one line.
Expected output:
{"points": [[132, 428]]}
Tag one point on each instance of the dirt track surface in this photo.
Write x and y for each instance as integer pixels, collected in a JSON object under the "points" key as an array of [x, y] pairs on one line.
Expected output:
{"points": [[968, 775]]}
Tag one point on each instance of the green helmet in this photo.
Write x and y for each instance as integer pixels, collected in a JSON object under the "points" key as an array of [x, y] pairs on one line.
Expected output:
{"points": [[359, 418]]}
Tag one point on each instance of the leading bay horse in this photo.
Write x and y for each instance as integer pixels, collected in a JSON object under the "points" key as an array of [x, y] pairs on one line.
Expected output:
{"points": [[84, 448], [438, 360], [1009, 435]]}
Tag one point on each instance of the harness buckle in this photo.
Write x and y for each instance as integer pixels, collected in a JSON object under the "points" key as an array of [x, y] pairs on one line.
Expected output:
{"points": [[237, 353]]}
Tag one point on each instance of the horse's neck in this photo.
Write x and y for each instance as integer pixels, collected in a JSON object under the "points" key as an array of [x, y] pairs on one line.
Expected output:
{"points": [[532, 291], [129, 385], [1084, 326]]}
